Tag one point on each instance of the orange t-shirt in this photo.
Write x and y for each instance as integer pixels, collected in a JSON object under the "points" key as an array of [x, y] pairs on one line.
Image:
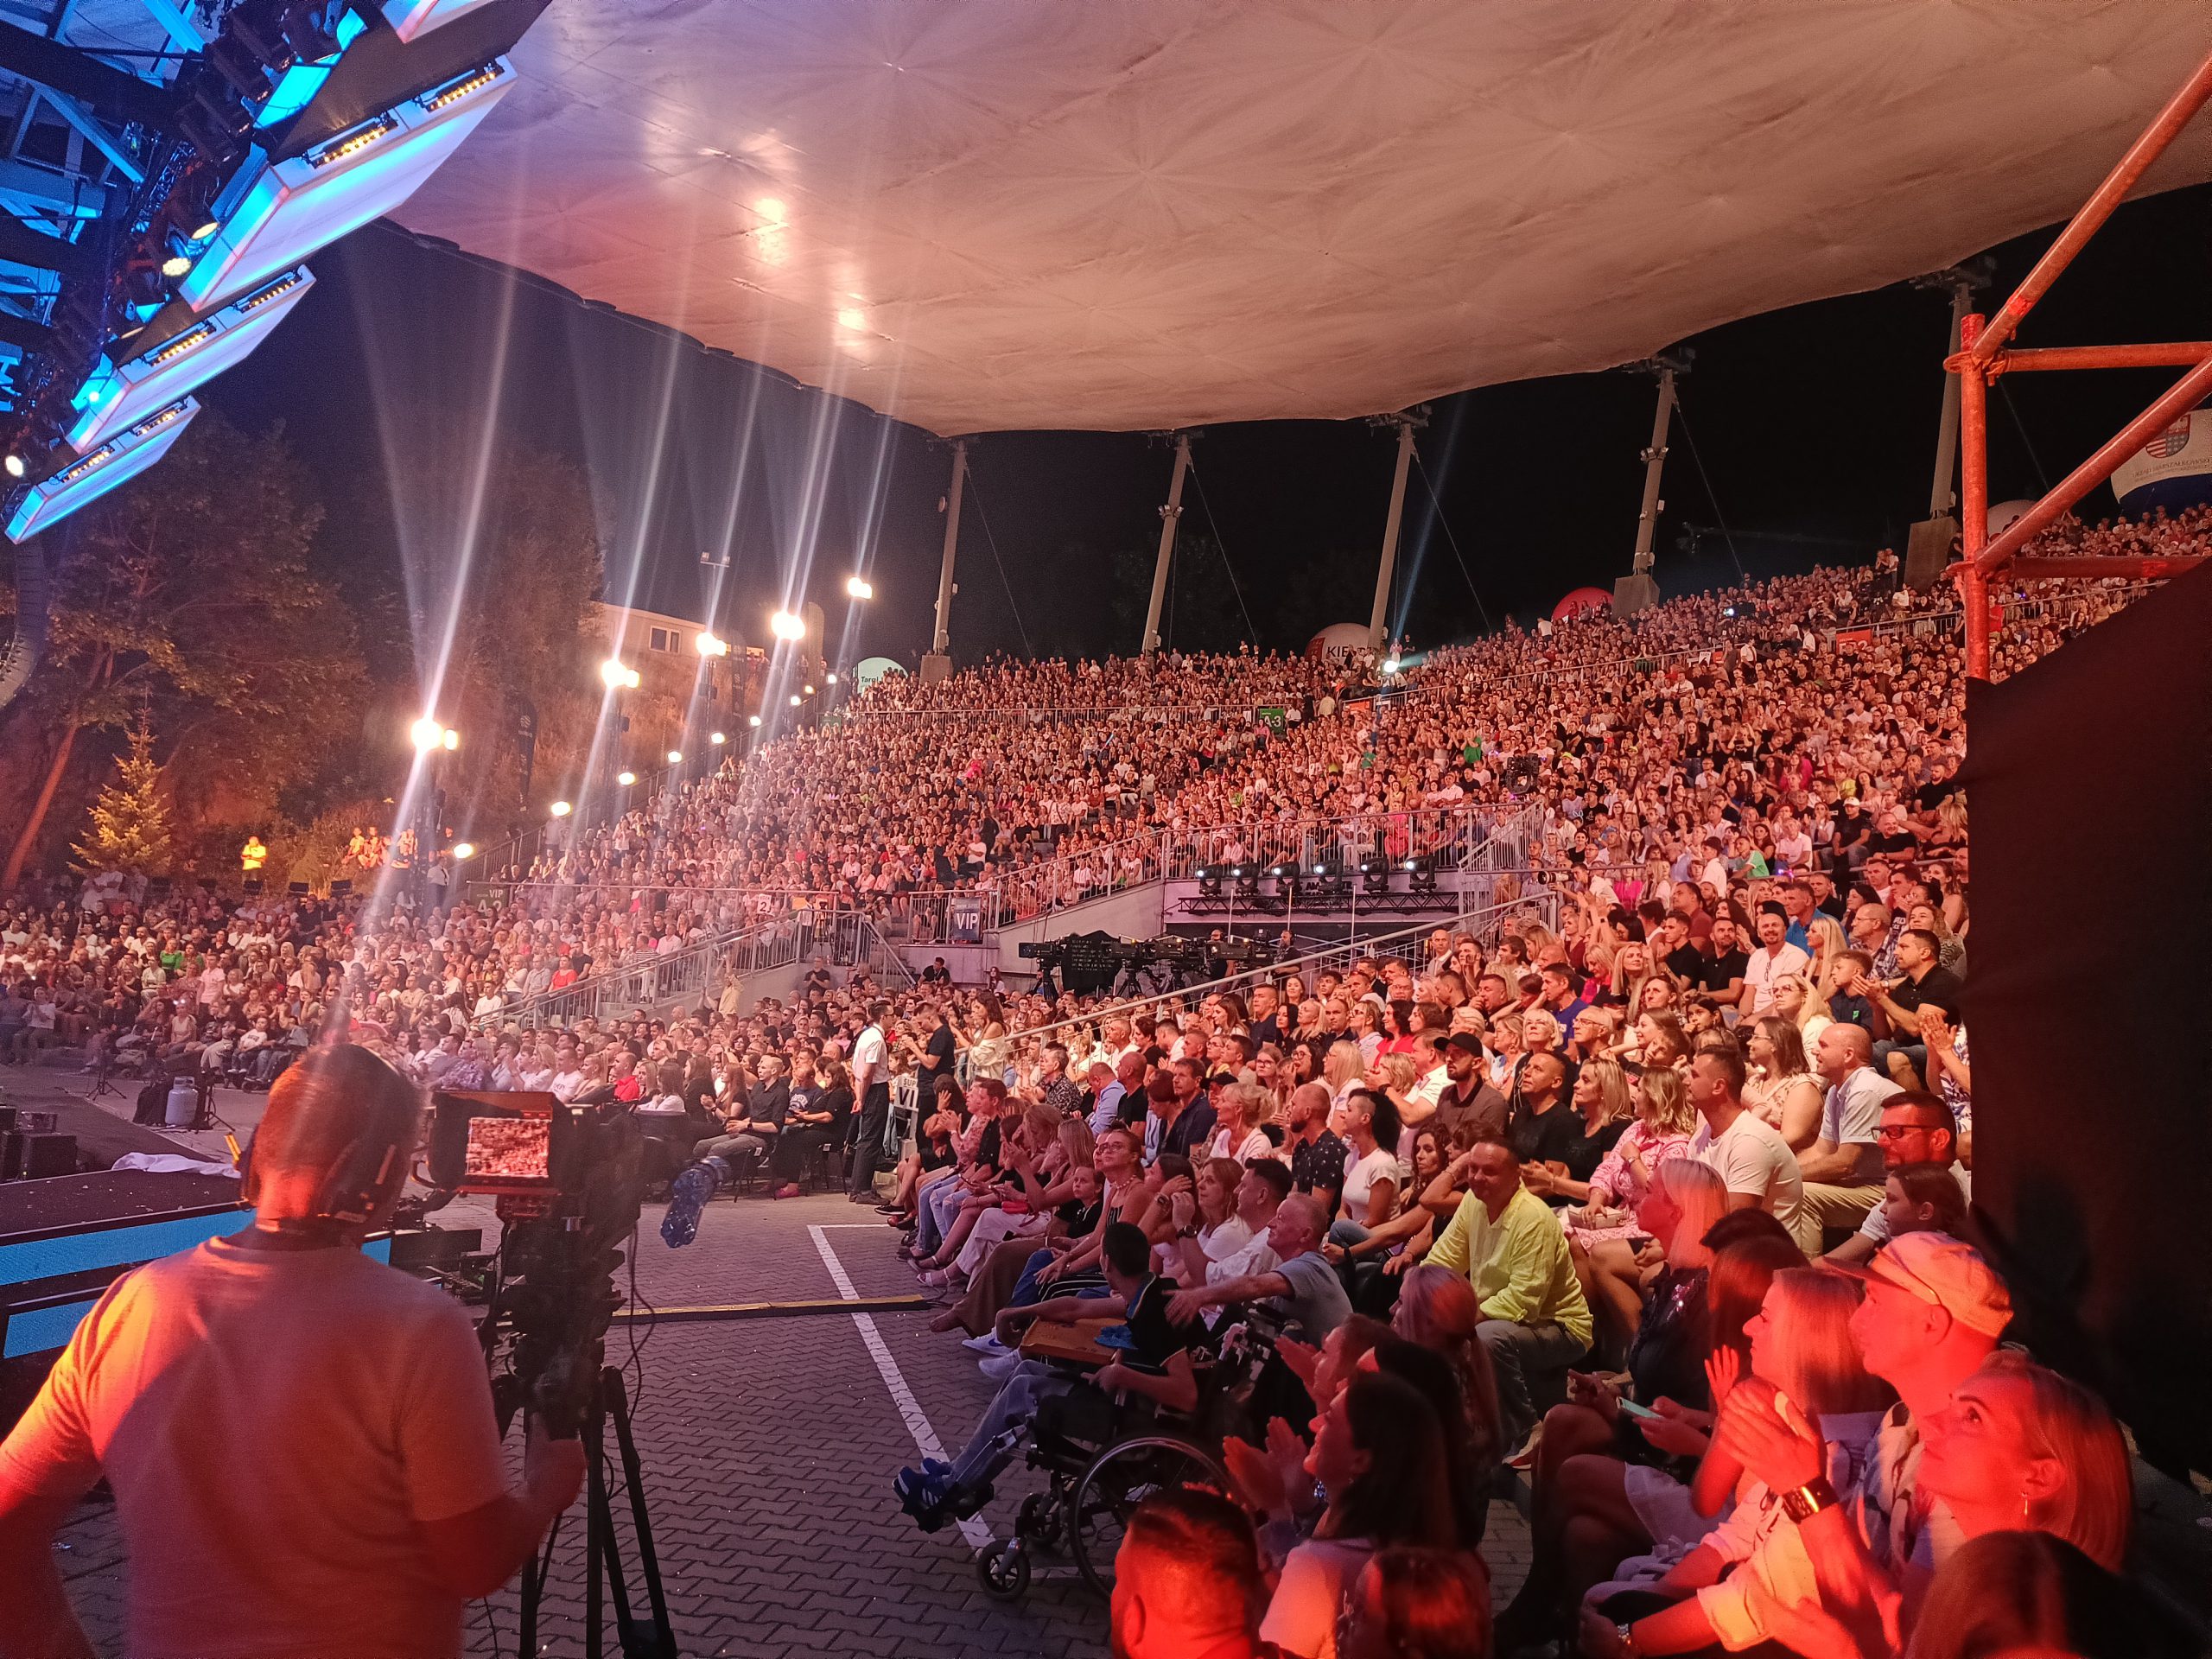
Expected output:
{"points": [[277, 1425]]}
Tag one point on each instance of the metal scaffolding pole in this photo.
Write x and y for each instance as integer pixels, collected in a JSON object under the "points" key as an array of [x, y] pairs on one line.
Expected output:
{"points": [[1654, 464], [1378, 619], [1170, 516], [941, 644]]}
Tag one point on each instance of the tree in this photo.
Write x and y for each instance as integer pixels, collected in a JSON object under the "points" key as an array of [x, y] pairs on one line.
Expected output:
{"points": [[185, 599], [1200, 610], [129, 827]]}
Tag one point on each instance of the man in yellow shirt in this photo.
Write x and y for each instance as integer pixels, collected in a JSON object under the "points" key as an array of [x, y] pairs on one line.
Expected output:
{"points": [[1509, 1243]]}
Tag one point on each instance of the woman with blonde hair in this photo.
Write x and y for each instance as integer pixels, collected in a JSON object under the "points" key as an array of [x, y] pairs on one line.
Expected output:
{"points": [[1665, 1120], [1505, 1052], [1796, 1000], [1241, 1108], [1600, 1097], [1805, 1367], [1539, 1032], [1343, 1069], [1827, 939], [1437, 1309]]}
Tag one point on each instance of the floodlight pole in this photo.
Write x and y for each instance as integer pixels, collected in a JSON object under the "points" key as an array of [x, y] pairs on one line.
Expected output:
{"points": [[1655, 468], [1170, 516], [1408, 422], [941, 641]]}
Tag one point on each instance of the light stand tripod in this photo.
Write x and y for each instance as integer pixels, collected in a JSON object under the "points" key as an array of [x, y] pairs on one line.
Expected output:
{"points": [[103, 1068], [603, 1545]]}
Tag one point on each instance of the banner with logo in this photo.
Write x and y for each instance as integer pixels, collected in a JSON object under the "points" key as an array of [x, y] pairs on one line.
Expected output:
{"points": [[2173, 470]]}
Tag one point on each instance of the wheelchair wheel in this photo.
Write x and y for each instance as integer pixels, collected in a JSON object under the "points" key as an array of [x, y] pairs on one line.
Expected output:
{"points": [[1119, 1478], [1004, 1570]]}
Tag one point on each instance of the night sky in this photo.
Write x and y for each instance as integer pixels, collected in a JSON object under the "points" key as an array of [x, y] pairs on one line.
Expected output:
{"points": [[1815, 425]]}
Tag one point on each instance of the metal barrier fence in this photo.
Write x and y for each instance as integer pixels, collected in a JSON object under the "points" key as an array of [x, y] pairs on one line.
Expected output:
{"points": [[845, 938]]}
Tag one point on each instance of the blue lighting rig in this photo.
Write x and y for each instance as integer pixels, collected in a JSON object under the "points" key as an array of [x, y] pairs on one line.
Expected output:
{"points": [[166, 167]]}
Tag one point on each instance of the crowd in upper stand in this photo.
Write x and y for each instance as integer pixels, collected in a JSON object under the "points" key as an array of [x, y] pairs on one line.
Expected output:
{"points": [[1590, 1170]]}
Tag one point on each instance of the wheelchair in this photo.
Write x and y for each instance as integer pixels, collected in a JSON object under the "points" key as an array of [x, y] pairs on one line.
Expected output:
{"points": [[1090, 1489]]}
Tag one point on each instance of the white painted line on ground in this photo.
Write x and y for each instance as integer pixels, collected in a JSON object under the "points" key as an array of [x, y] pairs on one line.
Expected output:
{"points": [[909, 1409]]}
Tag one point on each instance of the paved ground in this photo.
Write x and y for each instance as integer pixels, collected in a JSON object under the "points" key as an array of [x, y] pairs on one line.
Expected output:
{"points": [[768, 1447]]}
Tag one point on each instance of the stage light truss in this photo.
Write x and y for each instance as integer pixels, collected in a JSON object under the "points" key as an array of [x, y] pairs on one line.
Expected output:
{"points": [[84, 481], [161, 185], [135, 378]]}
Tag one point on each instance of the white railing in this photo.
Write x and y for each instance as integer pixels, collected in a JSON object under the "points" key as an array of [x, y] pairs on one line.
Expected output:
{"points": [[686, 976]]}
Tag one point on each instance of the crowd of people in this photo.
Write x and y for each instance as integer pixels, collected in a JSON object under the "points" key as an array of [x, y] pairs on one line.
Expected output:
{"points": [[1662, 1206]]}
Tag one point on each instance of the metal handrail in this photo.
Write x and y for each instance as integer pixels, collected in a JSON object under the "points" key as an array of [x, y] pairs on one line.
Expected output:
{"points": [[1403, 943]]}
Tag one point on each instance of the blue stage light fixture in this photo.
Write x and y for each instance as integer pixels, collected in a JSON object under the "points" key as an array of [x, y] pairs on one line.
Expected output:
{"points": [[171, 361], [274, 214], [122, 458], [412, 18], [297, 85]]}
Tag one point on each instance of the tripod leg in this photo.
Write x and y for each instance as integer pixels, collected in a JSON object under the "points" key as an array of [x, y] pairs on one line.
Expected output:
{"points": [[533, 1589], [598, 1529], [634, 1481]]}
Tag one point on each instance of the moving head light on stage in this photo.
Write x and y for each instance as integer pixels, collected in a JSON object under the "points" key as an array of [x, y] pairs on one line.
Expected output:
{"points": [[175, 353]]}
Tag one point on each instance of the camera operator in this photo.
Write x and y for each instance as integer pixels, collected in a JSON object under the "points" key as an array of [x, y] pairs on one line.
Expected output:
{"points": [[301, 1440]]}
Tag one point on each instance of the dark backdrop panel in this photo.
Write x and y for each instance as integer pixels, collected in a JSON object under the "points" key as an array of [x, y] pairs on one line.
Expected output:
{"points": [[2090, 780]]}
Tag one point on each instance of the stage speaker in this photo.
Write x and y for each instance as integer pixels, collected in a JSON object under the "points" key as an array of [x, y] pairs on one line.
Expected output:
{"points": [[1928, 552], [34, 1157], [935, 666], [1634, 594]]}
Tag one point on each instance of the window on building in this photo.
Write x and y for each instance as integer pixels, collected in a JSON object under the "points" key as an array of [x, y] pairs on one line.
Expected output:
{"points": [[664, 640]]}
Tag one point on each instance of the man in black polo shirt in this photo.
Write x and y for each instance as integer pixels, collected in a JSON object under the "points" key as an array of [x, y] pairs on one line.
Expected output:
{"points": [[1926, 983], [1719, 978], [1317, 1157]]}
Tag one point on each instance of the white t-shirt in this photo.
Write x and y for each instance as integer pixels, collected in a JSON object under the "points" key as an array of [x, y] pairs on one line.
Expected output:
{"points": [[1255, 1144], [1301, 1615], [1764, 969], [1752, 1157], [277, 1425], [1360, 1176], [867, 1051]]}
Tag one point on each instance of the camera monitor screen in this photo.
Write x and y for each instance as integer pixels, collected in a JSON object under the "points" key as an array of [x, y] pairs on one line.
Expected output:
{"points": [[509, 1150]]}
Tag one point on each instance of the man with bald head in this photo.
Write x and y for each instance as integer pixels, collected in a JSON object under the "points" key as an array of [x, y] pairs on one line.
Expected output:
{"points": [[1842, 1169], [1319, 1158], [1535, 1320]]}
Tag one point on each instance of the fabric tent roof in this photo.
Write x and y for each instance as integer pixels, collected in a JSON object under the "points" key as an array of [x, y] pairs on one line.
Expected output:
{"points": [[1119, 214]]}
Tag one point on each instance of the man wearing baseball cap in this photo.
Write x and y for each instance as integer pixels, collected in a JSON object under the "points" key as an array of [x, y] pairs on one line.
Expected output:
{"points": [[1934, 1310]]}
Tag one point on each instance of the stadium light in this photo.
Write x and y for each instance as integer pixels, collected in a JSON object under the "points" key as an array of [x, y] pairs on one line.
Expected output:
{"points": [[860, 587], [15, 466], [561, 809], [464, 849], [752, 719], [809, 691], [832, 679], [451, 738], [785, 626], [676, 757], [625, 779], [796, 699], [709, 645], [617, 675], [428, 732], [716, 738]]}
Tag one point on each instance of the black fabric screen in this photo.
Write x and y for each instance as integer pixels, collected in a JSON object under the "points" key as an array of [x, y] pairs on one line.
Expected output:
{"points": [[2090, 780]]}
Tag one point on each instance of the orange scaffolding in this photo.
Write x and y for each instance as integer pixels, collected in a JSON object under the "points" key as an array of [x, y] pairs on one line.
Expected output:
{"points": [[1981, 357]]}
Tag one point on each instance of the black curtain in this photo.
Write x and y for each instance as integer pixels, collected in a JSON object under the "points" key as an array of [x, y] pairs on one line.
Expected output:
{"points": [[2090, 780]]}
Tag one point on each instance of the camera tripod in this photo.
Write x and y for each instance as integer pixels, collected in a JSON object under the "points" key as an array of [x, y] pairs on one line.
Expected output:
{"points": [[603, 1568]]}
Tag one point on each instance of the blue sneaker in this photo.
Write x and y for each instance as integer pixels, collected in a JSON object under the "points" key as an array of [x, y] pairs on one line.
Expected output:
{"points": [[687, 1197]]}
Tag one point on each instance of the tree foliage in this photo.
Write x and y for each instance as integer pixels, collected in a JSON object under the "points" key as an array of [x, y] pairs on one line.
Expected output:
{"points": [[185, 602], [129, 827]]}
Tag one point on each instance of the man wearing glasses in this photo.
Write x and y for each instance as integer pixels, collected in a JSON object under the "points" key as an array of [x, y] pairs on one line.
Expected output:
{"points": [[1916, 1129]]}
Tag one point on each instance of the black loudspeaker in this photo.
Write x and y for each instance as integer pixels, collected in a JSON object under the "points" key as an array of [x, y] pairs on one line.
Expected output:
{"points": [[33, 1157], [1928, 552]]}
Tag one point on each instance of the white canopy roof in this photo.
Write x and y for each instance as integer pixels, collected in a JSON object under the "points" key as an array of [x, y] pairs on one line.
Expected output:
{"points": [[977, 215]]}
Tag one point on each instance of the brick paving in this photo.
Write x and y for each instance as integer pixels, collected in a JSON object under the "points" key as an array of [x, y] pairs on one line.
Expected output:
{"points": [[768, 1446]]}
